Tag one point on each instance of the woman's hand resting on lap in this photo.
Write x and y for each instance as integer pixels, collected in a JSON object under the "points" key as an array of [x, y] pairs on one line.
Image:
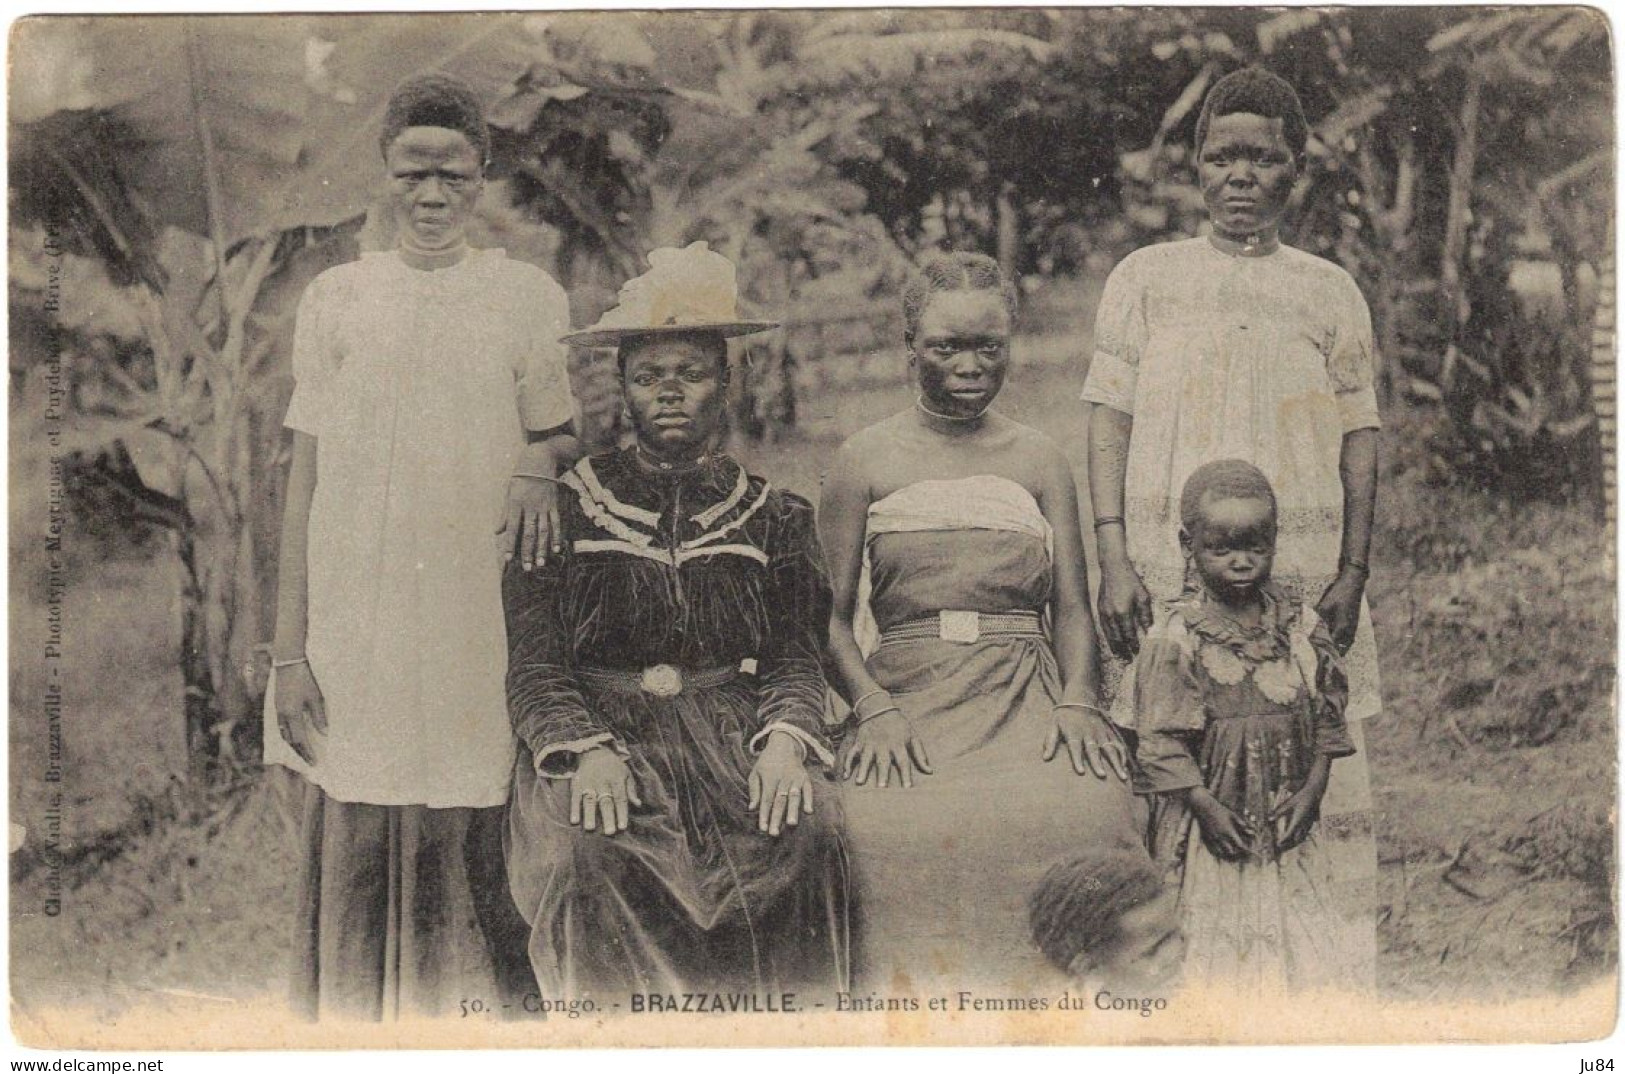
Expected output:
{"points": [[882, 743], [780, 789], [602, 792], [1091, 742]]}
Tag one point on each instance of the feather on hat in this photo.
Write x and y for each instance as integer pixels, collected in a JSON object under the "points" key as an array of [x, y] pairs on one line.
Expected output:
{"points": [[687, 290]]}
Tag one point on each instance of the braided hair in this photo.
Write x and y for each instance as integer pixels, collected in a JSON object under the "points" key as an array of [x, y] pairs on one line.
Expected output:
{"points": [[956, 270], [1077, 910]]}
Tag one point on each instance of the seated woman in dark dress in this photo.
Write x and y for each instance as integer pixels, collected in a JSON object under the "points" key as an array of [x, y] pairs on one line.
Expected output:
{"points": [[667, 830]]}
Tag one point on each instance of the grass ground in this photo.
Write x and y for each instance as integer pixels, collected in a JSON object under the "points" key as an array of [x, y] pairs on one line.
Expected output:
{"points": [[1493, 763]]}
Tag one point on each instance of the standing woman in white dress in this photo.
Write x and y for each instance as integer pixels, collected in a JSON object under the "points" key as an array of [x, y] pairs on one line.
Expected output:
{"points": [[431, 413], [1235, 345]]}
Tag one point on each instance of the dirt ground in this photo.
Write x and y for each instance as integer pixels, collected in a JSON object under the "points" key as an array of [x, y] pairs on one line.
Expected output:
{"points": [[1493, 762]]}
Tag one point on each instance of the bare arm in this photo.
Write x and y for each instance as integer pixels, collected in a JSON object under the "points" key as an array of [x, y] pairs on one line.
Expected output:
{"points": [[1125, 604], [293, 594], [1339, 606], [1357, 465], [884, 739], [300, 708], [1109, 432], [842, 519], [1080, 722], [1076, 649]]}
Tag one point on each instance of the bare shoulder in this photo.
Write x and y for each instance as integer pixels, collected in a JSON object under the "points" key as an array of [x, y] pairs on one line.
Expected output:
{"points": [[1036, 447], [1032, 459], [861, 451]]}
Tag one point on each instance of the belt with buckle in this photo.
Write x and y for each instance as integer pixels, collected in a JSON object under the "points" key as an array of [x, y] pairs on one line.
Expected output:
{"points": [[965, 627], [660, 680]]}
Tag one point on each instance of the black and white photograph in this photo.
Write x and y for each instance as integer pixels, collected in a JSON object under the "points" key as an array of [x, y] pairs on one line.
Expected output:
{"points": [[863, 526]]}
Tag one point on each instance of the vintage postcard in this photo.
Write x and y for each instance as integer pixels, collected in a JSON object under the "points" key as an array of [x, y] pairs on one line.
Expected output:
{"points": [[863, 527]]}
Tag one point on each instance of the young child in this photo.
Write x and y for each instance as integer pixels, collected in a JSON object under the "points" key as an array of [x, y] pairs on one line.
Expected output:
{"points": [[1238, 700]]}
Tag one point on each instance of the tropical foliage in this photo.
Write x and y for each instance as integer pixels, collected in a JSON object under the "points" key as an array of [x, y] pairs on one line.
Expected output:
{"points": [[195, 173]]}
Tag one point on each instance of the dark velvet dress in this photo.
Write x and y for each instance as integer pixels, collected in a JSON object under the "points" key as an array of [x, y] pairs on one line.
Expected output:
{"points": [[718, 576]]}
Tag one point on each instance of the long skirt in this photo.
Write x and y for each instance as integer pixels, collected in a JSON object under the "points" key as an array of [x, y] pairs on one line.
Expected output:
{"points": [[692, 897], [945, 871], [404, 911]]}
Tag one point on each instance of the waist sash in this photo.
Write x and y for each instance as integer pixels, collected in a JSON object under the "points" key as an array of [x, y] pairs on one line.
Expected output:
{"points": [[659, 680], [964, 627]]}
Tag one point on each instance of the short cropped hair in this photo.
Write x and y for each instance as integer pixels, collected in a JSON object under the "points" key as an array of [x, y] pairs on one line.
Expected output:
{"points": [[1222, 480], [1260, 93], [436, 101], [957, 270], [1078, 908]]}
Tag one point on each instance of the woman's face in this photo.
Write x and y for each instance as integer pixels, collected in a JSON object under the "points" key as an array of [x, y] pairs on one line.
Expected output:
{"points": [[1234, 547], [1246, 170], [674, 388], [435, 178], [962, 350]]}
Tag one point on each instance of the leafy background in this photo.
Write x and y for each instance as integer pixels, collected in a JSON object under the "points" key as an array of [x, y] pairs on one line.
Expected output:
{"points": [[195, 173]]}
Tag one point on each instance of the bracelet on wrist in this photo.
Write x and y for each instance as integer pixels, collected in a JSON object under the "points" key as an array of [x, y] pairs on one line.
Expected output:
{"points": [[857, 709], [877, 713], [1084, 705], [1109, 520], [1355, 564], [294, 662], [795, 740], [856, 705]]}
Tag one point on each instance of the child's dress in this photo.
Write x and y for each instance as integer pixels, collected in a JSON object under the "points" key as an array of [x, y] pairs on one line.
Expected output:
{"points": [[1244, 711]]}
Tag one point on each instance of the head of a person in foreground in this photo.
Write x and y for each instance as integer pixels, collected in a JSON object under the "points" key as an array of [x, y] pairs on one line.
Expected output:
{"points": [[1107, 917], [674, 386]]}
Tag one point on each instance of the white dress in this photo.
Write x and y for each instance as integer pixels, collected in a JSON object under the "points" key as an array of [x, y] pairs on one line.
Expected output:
{"points": [[1222, 356], [1268, 359], [418, 387]]}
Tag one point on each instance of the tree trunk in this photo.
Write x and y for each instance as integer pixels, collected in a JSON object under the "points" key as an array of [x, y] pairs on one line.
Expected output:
{"points": [[1391, 223], [1009, 231], [1462, 167], [1604, 383], [199, 705]]}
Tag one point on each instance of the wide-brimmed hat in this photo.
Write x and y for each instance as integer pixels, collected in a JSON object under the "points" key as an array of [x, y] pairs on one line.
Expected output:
{"points": [[687, 290]]}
